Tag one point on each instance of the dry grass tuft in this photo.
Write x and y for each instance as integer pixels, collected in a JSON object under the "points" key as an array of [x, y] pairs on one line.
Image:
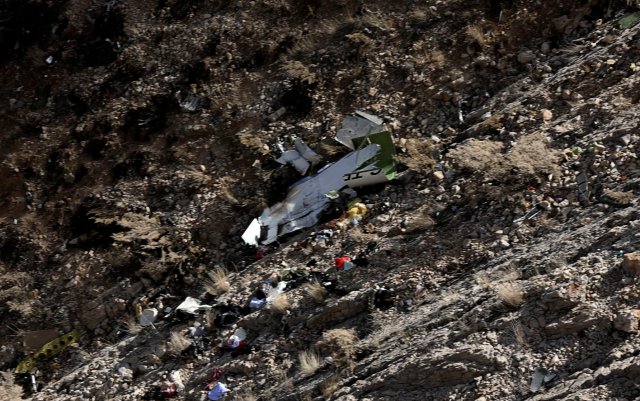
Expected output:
{"points": [[510, 293], [529, 156], [280, 303], [420, 220], [437, 58], [419, 156], [252, 141], [309, 362], [518, 334], [178, 342], [329, 386], [385, 332], [218, 282], [485, 156], [356, 234], [341, 344], [132, 326], [298, 71], [476, 35], [316, 291], [483, 280]]}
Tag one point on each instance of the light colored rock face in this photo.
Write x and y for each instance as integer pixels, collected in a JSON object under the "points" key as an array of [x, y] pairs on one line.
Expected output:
{"points": [[501, 265]]}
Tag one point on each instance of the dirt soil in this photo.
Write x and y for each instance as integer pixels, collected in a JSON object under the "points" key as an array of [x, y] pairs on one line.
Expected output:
{"points": [[137, 144]]}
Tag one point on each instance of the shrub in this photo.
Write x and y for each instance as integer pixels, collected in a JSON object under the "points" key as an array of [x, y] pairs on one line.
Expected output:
{"points": [[341, 344], [218, 282], [316, 291], [178, 342], [309, 362], [280, 303], [509, 293]]}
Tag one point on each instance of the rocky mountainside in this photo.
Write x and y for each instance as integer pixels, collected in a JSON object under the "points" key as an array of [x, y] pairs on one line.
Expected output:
{"points": [[138, 142]]}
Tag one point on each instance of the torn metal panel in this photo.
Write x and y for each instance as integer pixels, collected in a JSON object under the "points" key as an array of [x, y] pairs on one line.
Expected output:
{"points": [[385, 160], [370, 175], [251, 235], [302, 157], [50, 349], [307, 198], [360, 125]]}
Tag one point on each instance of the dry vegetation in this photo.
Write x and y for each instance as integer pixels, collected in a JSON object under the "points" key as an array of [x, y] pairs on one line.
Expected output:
{"points": [[131, 326], [378, 337], [341, 344], [178, 342], [528, 156], [217, 283], [419, 155], [316, 291], [510, 293], [329, 386], [309, 362], [518, 334], [476, 35], [280, 303]]}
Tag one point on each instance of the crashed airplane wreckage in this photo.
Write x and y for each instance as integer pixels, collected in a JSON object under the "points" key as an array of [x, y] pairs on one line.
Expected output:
{"points": [[370, 162]]}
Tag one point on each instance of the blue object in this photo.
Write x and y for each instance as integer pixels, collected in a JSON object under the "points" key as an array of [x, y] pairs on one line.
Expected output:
{"points": [[217, 392]]}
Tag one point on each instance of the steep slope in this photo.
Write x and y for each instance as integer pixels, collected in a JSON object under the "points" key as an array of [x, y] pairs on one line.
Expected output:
{"points": [[137, 147]]}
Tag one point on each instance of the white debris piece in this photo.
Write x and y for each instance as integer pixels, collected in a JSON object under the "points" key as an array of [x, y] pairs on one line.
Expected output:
{"points": [[192, 306], [251, 235]]}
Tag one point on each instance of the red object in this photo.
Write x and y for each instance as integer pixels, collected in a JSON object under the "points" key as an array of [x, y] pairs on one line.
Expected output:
{"points": [[340, 261], [215, 376], [531, 188]]}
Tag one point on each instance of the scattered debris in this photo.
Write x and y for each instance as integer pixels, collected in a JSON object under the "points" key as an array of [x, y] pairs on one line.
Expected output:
{"points": [[192, 102], [371, 162], [191, 306], [148, 316], [383, 298], [344, 263], [355, 213], [306, 199], [125, 371], [237, 339], [50, 349], [531, 214], [229, 314], [217, 392], [541, 376], [302, 157], [629, 20]]}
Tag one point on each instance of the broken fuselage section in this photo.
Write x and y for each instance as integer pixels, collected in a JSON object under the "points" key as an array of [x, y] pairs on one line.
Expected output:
{"points": [[370, 162]]}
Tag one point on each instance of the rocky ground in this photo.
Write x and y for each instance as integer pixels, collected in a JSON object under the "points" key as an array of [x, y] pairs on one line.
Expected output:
{"points": [[137, 145]]}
